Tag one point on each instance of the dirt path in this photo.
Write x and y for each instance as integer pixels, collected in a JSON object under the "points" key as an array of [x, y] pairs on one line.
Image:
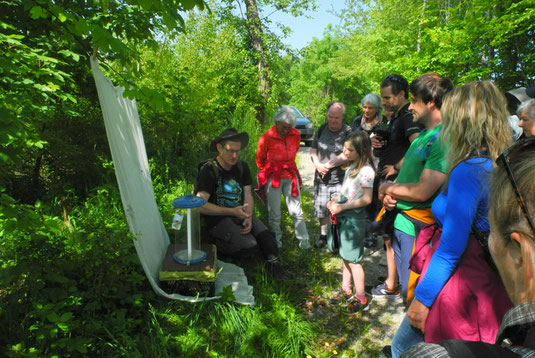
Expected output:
{"points": [[384, 315]]}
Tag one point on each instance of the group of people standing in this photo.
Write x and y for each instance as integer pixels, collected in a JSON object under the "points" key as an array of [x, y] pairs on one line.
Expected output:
{"points": [[427, 165]]}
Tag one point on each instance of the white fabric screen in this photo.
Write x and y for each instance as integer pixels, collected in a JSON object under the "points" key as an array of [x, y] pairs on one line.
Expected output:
{"points": [[125, 138]]}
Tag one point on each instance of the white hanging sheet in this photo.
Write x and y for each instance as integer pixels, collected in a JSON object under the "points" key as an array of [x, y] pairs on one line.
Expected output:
{"points": [[125, 137]]}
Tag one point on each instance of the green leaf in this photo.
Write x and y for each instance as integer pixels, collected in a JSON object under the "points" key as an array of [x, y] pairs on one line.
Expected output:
{"points": [[63, 326], [65, 317], [36, 12], [53, 317]]}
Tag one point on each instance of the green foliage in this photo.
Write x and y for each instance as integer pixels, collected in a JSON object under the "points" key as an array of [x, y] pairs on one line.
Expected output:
{"points": [[465, 40], [314, 84], [51, 132], [61, 276]]}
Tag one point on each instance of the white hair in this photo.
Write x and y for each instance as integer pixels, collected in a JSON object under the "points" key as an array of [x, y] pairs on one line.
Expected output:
{"points": [[286, 115]]}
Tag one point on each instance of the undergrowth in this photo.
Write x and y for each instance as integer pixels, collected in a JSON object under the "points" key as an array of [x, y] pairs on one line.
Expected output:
{"points": [[71, 285]]}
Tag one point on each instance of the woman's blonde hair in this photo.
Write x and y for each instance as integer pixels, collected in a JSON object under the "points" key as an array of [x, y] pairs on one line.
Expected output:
{"points": [[363, 146], [474, 117]]}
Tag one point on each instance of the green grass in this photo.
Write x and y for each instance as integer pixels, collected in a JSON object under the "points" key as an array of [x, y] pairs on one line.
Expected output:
{"points": [[83, 293]]}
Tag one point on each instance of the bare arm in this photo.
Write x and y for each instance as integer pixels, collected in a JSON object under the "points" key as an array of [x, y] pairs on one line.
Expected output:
{"points": [[336, 161], [413, 136], [241, 211], [248, 205], [430, 181], [322, 169], [248, 200], [364, 200]]}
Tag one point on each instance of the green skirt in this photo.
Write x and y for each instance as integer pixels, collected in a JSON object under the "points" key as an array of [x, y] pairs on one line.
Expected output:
{"points": [[352, 225]]}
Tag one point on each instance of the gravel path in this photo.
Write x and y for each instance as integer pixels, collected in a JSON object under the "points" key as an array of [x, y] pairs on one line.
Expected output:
{"points": [[384, 315]]}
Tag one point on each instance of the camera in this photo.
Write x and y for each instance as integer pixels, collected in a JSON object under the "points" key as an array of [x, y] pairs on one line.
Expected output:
{"points": [[382, 129]]}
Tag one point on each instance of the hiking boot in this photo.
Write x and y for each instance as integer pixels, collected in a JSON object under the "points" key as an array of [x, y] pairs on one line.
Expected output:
{"points": [[382, 291], [387, 351], [341, 297], [355, 306], [322, 241]]}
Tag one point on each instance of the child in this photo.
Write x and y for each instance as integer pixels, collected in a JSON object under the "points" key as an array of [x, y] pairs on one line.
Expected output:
{"points": [[348, 207]]}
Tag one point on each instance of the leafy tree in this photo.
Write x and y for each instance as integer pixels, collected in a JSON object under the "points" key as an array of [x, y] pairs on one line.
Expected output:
{"points": [[466, 40], [316, 80], [46, 107]]}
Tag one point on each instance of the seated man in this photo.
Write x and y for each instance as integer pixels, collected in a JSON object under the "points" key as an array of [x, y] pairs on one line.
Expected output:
{"points": [[225, 183]]}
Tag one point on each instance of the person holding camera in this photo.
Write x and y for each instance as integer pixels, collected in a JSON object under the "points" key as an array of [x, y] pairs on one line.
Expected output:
{"points": [[390, 141]]}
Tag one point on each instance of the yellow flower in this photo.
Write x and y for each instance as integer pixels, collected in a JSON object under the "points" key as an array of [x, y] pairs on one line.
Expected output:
{"points": [[335, 352], [326, 344]]}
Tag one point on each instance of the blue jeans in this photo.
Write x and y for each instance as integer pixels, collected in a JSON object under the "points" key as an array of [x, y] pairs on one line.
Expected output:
{"points": [[406, 336], [402, 244]]}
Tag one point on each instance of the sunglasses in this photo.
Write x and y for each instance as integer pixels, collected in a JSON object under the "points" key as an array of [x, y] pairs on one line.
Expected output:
{"points": [[395, 78], [503, 160]]}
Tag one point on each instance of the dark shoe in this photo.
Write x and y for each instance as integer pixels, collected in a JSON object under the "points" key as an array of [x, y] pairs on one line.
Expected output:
{"points": [[341, 297], [382, 291], [276, 269], [356, 306], [322, 241], [370, 241], [387, 351]]}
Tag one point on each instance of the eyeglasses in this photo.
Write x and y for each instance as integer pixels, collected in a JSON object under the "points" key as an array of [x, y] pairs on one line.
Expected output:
{"points": [[504, 159], [232, 151]]}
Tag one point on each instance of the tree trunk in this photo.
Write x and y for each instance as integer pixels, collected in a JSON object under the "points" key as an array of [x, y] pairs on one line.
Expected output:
{"points": [[254, 26]]}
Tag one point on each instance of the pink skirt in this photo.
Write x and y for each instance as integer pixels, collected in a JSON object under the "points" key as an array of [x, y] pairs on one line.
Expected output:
{"points": [[473, 301]]}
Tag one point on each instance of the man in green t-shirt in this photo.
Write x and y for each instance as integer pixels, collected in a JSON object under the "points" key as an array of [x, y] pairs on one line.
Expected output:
{"points": [[422, 173]]}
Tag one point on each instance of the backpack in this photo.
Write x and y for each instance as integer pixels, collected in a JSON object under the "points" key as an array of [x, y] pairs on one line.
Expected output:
{"points": [[215, 167]]}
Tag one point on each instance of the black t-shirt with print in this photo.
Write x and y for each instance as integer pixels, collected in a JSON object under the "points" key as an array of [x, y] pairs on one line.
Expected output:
{"points": [[226, 190]]}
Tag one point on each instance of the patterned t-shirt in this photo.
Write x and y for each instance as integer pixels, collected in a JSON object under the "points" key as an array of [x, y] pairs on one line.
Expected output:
{"points": [[353, 187]]}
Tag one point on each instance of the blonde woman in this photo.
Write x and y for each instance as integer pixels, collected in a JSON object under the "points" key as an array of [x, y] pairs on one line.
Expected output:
{"points": [[459, 295], [512, 245]]}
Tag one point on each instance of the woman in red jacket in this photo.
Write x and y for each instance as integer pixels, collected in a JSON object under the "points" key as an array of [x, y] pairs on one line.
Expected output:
{"points": [[275, 157]]}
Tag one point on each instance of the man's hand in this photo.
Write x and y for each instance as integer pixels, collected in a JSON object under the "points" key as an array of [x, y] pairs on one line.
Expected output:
{"points": [[388, 171], [389, 202], [321, 168], [242, 212], [377, 142], [247, 225], [417, 314]]}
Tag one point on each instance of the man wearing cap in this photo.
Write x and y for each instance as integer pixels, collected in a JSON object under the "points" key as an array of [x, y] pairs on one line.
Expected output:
{"points": [[225, 184]]}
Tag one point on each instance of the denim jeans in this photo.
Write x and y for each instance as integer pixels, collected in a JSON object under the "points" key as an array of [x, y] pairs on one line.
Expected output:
{"points": [[402, 245], [406, 336]]}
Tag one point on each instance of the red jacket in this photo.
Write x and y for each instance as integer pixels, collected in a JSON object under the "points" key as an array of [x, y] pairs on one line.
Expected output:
{"points": [[275, 157]]}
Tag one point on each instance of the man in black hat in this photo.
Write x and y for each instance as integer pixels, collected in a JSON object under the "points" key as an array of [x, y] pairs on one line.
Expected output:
{"points": [[225, 183]]}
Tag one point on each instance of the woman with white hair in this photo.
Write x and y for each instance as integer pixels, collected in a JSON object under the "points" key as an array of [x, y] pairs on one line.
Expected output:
{"points": [[526, 114], [275, 157], [371, 113]]}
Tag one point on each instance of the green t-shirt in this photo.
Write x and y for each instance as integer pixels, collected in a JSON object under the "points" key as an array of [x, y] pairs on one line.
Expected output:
{"points": [[420, 156]]}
